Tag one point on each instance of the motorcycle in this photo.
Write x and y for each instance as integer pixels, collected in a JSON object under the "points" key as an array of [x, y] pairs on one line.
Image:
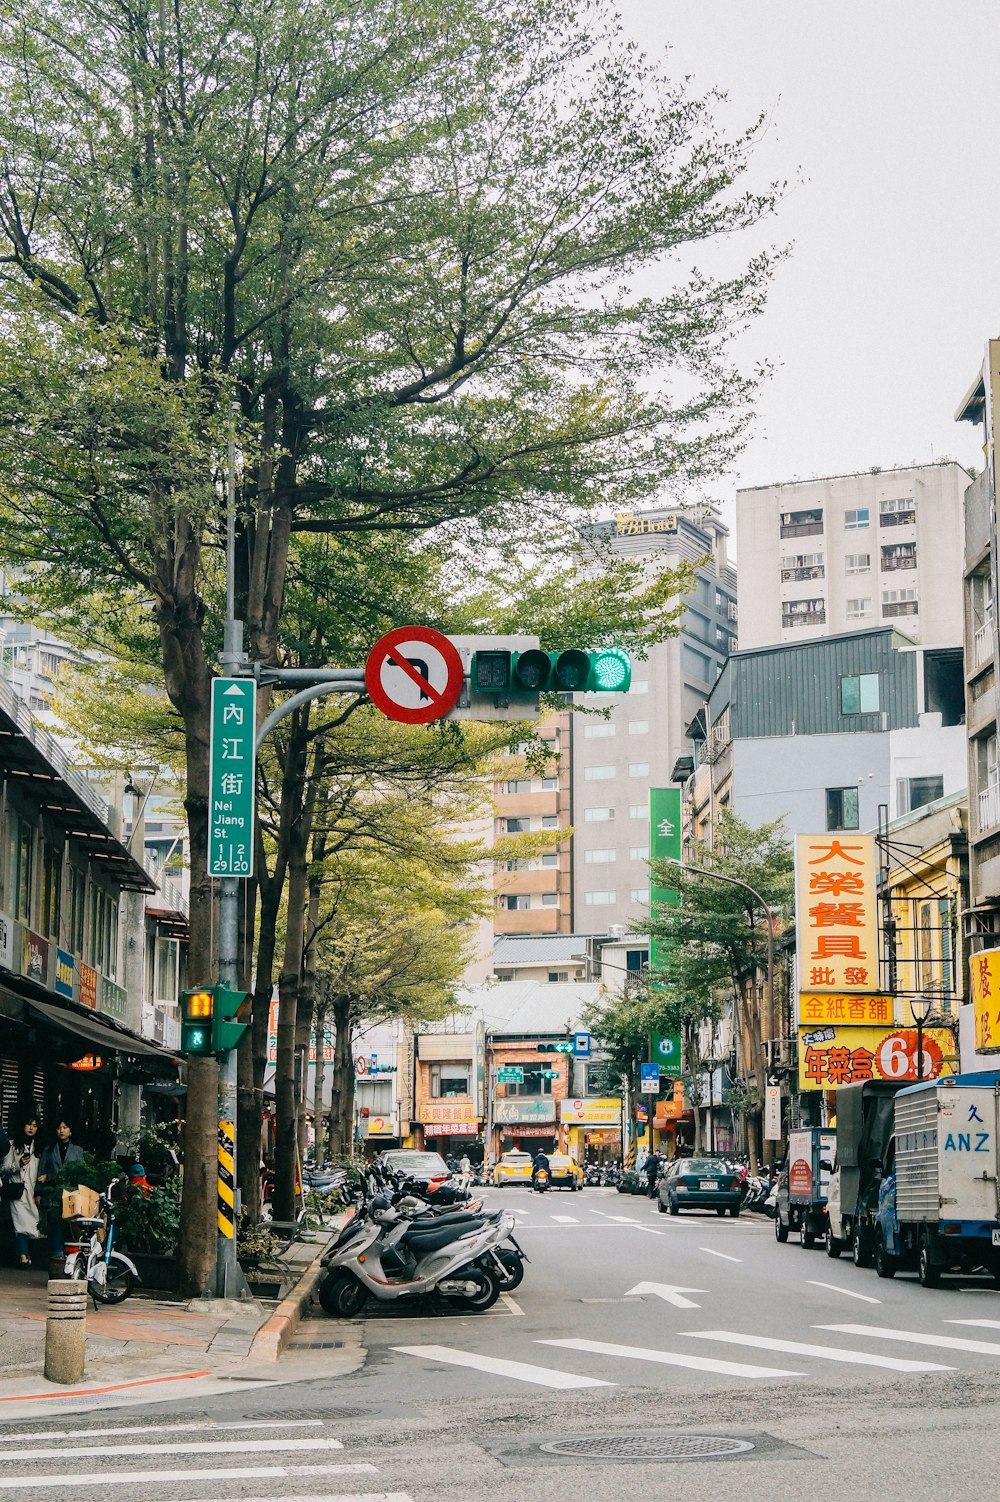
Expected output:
{"points": [[110, 1276], [391, 1256], [540, 1180]]}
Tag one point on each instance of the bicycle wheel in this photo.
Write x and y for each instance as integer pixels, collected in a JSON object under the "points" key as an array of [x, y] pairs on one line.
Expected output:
{"points": [[117, 1286]]}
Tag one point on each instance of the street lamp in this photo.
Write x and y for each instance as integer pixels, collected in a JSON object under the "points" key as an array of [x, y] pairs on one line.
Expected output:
{"points": [[920, 1006]]}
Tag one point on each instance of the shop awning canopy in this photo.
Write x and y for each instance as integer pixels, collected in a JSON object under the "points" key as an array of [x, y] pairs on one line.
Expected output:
{"points": [[99, 1033]]}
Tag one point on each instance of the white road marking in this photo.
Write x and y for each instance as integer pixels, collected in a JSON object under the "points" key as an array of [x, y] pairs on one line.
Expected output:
{"points": [[228, 1473], [203, 1447], [671, 1358], [84, 1433], [982, 1324], [865, 1298], [724, 1255], [824, 1353], [946, 1342], [566, 1220], [330, 1497], [521, 1371], [623, 1220], [669, 1293], [511, 1303]]}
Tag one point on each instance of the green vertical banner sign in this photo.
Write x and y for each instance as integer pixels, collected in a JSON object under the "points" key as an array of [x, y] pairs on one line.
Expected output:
{"points": [[232, 762], [664, 844]]}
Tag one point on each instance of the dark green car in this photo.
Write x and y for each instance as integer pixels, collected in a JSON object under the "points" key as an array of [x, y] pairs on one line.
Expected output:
{"points": [[699, 1184]]}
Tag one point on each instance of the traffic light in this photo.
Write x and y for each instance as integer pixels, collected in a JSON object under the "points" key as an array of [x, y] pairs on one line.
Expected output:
{"points": [[553, 1048], [546, 1074], [210, 1019], [606, 670]]}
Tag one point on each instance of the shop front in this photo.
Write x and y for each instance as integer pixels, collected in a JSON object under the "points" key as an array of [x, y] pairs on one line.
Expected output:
{"points": [[593, 1126], [450, 1128], [525, 1125]]}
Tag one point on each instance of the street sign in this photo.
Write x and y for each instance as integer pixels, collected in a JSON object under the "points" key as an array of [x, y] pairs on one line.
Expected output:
{"points": [[581, 1045], [231, 771], [650, 1079], [510, 1074], [665, 819], [667, 1052], [547, 1074], [414, 675]]}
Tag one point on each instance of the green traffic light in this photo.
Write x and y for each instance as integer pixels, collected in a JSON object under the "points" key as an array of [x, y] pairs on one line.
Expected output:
{"points": [[611, 671]]}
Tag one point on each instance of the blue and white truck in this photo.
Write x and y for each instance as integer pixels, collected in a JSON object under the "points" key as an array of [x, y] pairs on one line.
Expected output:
{"points": [[939, 1199]]}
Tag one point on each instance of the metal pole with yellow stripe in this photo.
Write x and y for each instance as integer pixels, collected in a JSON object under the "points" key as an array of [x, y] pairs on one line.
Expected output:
{"points": [[227, 1180]]}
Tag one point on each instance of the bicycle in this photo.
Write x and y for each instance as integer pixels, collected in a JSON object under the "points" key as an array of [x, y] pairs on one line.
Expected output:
{"points": [[110, 1276]]}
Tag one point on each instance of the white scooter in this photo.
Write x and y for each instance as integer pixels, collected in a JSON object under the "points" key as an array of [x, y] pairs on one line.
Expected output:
{"points": [[392, 1257]]}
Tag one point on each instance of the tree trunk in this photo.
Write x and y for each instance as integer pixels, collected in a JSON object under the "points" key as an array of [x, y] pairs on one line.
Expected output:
{"points": [[319, 1085], [342, 1093]]}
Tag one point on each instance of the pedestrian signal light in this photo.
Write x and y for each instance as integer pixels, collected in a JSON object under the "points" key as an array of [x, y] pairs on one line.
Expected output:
{"points": [[196, 1021], [605, 670], [213, 1019]]}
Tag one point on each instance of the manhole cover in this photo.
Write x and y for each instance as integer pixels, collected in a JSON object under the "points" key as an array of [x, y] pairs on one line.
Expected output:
{"points": [[648, 1447]]}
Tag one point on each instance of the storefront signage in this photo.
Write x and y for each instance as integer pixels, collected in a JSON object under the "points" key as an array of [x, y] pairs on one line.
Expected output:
{"points": [[664, 845], [833, 1056], [114, 999], [594, 1110], [381, 1126], [628, 525], [984, 972], [528, 1131], [88, 986], [34, 957], [524, 1110], [772, 1113], [835, 912], [452, 1129], [6, 942], [433, 1112], [65, 971], [845, 1011]]}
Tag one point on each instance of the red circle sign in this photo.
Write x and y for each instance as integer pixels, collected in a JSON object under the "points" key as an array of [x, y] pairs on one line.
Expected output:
{"points": [[414, 675]]}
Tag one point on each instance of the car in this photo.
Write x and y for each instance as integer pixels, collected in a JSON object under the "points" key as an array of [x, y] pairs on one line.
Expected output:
{"points": [[513, 1168], [563, 1172], [422, 1166], [699, 1184]]}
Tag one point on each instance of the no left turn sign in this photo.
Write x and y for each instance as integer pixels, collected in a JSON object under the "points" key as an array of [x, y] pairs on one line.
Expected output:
{"points": [[414, 675]]}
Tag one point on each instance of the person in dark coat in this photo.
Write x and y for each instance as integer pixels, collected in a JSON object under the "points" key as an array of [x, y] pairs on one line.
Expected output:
{"points": [[60, 1154], [652, 1170], [541, 1161]]}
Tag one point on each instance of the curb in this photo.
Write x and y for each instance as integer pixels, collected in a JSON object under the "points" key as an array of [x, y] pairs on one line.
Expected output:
{"points": [[275, 1333]]}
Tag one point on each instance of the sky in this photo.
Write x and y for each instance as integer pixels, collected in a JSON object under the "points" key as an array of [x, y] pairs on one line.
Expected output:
{"points": [[883, 121]]}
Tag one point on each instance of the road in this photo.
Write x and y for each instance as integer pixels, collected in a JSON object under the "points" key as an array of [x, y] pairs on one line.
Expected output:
{"points": [[827, 1379]]}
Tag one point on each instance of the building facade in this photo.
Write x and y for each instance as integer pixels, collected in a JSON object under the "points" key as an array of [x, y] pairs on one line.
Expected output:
{"points": [[534, 893], [631, 745], [849, 552]]}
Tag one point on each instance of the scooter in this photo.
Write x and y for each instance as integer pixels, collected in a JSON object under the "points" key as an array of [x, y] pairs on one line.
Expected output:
{"points": [[110, 1276], [391, 1257], [540, 1180]]}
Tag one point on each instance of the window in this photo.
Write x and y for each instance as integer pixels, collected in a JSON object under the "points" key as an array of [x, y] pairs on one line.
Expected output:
{"points": [[855, 520], [448, 1080], [897, 513], [520, 864], [639, 686], [598, 815], [639, 853], [77, 905], [598, 774], [599, 899], [49, 664], [858, 563], [551, 859], [550, 784], [639, 894], [550, 821], [802, 566], [515, 902], [636, 960], [899, 555], [103, 932], [803, 612], [519, 785], [915, 792], [601, 730], [638, 811], [899, 602], [51, 890], [550, 899], [24, 860], [859, 695], [802, 523], [638, 727], [165, 980], [558, 975], [514, 826], [842, 808], [859, 610], [638, 769], [598, 857]]}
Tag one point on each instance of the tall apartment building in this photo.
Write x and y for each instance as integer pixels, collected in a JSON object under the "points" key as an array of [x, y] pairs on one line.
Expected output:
{"points": [[849, 552], [615, 761], [534, 893]]}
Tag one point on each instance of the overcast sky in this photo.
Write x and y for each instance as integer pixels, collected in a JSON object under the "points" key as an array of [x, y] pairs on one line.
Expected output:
{"points": [[884, 117]]}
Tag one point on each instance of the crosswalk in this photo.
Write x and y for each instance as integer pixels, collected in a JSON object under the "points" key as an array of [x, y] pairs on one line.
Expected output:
{"points": [[296, 1460], [595, 1363]]}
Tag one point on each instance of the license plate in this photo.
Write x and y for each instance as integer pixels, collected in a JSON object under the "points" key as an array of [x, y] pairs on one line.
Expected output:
{"points": [[708, 1184], [996, 1238]]}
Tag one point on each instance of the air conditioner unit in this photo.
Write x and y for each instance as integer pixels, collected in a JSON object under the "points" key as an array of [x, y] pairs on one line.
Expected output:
{"points": [[616, 930]]}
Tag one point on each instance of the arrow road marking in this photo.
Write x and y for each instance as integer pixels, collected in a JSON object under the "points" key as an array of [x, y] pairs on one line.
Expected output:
{"points": [[669, 1293], [671, 1358], [865, 1298]]}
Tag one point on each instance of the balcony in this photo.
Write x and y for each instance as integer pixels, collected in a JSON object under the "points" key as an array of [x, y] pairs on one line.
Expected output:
{"points": [[803, 618], [817, 571], [989, 806], [802, 529], [897, 519], [982, 644], [901, 607], [897, 561]]}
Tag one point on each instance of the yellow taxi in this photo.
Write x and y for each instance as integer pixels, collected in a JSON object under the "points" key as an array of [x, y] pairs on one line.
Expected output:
{"points": [[563, 1172], [513, 1168]]}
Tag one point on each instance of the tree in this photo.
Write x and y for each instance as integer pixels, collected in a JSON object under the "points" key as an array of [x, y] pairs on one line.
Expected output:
{"points": [[417, 295], [714, 943]]}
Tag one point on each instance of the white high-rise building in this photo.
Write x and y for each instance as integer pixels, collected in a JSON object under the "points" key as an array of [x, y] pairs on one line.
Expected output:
{"points": [[849, 552]]}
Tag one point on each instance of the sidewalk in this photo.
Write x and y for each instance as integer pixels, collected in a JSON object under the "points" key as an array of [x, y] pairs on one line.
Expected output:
{"points": [[151, 1347]]}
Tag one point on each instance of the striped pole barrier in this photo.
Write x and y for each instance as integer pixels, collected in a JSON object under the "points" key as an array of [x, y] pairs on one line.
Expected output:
{"points": [[227, 1181]]}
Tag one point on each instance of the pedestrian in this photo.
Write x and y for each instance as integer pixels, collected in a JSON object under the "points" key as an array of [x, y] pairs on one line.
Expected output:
{"points": [[21, 1165], [60, 1154], [652, 1171]]}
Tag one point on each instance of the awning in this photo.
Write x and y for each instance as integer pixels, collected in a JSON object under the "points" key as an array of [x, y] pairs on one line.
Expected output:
{"points": [[98, 1032]]}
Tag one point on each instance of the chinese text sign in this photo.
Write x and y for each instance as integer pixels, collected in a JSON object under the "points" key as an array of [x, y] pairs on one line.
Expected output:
{"points": [[835, 912]]}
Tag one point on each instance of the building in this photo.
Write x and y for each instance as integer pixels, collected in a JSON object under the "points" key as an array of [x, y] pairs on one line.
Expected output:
{"points": [[849, 552], [556, 960], [534, 893], [619, 754], [824, 733]]}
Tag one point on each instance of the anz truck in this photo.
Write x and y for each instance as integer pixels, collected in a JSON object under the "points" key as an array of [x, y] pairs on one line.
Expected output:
{"points": [[939, 1197]]}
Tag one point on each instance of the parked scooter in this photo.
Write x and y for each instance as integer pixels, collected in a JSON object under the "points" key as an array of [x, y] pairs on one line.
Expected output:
{"points": [[110, 1276]]}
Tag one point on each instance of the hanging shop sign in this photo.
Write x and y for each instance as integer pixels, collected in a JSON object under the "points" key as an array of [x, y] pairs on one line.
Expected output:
{"points": [[88, 986], [594, 1110], [833, 1056], [844, 1011], [6, 942], [835, 912], [65, 972], [114, 999], [984, 973], [34, 957]]}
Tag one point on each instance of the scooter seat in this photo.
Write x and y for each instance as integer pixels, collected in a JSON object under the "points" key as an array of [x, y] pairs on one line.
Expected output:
{"points": [[420, 1241]]}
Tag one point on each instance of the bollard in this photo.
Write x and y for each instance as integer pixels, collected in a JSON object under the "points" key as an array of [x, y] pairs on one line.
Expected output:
{"points": [[65, 1330]]}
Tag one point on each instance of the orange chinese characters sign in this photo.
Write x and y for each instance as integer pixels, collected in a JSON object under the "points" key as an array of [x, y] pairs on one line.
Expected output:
{"points": [[845, 1011], [833, 1056], [984, 973], [835, 912]]}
